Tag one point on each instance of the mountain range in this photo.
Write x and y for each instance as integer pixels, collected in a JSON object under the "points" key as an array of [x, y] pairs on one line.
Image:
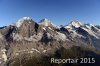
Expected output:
{"points": [[44, 38]]}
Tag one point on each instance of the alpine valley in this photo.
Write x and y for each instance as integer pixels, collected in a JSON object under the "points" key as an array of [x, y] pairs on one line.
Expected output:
{"points": [[30, 43]]}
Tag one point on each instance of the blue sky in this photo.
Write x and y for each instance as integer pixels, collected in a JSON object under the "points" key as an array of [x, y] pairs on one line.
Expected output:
{"points": [[60, 12]]}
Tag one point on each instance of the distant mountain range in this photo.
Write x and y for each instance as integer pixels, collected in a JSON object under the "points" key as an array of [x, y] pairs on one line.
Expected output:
{"points": [[44, 38]]}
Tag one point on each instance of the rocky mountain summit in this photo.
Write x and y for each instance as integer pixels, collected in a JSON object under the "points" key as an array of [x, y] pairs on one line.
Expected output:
{"points": [[29, 37]]}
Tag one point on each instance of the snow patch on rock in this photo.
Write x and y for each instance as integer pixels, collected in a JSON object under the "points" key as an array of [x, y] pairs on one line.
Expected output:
{"points": [[44, 51], [60, 36], [35, 50], [4, 56]]}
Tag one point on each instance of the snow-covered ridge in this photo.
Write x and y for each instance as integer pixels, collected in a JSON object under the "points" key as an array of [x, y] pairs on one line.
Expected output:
{"points": [[20, 21], [75, 24], [90, 28]]}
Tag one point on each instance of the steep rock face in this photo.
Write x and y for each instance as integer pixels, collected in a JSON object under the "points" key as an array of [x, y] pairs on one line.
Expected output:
{"points": [[28, 27], [7, 32]]}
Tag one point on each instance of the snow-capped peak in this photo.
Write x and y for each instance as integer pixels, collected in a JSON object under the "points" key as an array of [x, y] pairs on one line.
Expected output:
{"points": [[20, 21], [45, 22], [76, 23]]}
